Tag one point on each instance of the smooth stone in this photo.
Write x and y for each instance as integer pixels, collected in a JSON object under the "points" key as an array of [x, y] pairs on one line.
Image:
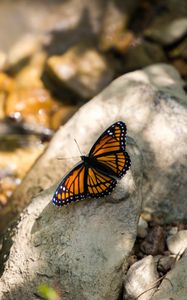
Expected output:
{"points": [[141, 276], [167, 31], [78, 74], [174, 285], [178, 242], [165, 263], [142, 54], [142, 228], [115, 22]]}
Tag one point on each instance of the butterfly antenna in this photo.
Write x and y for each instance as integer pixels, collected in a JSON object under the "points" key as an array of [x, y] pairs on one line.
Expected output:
{"points": [[78, 146], [64, 158]]}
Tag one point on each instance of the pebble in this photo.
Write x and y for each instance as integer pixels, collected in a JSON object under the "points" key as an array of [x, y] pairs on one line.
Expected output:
{"points": [[141, 276], [167, 31], [154, 242], [142, 228], [165, 263], [142, 54], [178, 242]]}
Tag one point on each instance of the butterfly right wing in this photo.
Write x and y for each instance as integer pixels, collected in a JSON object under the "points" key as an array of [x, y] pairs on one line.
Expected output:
{"points": [[72, 188], [83, 182], [111, 140], [118, 162], [99, 184]]}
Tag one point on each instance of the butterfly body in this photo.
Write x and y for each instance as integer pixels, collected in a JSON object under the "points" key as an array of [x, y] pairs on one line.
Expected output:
{"points": [[96, 175], [93, 163]]}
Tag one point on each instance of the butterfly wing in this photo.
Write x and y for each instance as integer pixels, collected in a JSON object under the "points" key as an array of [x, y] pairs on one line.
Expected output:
{"points": [[72, 187], [112, 140], [99, 184], [83, 182], [117, 162], [109, 150]]}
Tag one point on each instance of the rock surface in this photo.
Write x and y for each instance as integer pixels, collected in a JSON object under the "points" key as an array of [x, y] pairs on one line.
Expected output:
{"points": [[82, 248], [141, 277], [167, 31], [174, 285], [178, 242], [142, 228], [81, 72], [153, 104], [142, 54]]}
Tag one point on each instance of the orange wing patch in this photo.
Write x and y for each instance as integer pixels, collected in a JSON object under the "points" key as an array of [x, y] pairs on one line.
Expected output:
{"points": [[99, 184], [72, 187], [119, 162], [111, 140]]}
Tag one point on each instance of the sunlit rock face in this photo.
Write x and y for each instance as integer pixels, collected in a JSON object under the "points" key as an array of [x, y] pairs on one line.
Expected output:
{"points": [[84, 246], [81, 249], [152, 102]]}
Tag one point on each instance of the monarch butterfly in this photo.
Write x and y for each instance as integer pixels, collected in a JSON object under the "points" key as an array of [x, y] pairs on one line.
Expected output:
{"points": [[95, 176]]}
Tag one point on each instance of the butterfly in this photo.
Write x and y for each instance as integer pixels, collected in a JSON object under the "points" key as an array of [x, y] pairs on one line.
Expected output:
{"points": [[96, 175]]}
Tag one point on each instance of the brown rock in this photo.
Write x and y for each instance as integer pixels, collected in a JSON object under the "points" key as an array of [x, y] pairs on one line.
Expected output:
{"points": [[20, 53], [165, 263], [62, 115], [6, 83], [154, 242], [81, 72], [6, 86], [33, 105], [167, 30], [180, 51], [115, 20], [142, 54], [30, 75], [181, 66], [17, 155]]}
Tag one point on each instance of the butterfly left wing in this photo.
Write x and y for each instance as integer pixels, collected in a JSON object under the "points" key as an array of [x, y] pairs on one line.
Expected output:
{"points": [[117, 162], [109, 150], [112, 140], [83, 182], [99, 184], [72, 187]]}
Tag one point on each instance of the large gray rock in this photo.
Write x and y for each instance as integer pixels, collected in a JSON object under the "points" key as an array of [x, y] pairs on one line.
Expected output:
{"points": [[174, 285], [154, 106], [82, 248]]}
